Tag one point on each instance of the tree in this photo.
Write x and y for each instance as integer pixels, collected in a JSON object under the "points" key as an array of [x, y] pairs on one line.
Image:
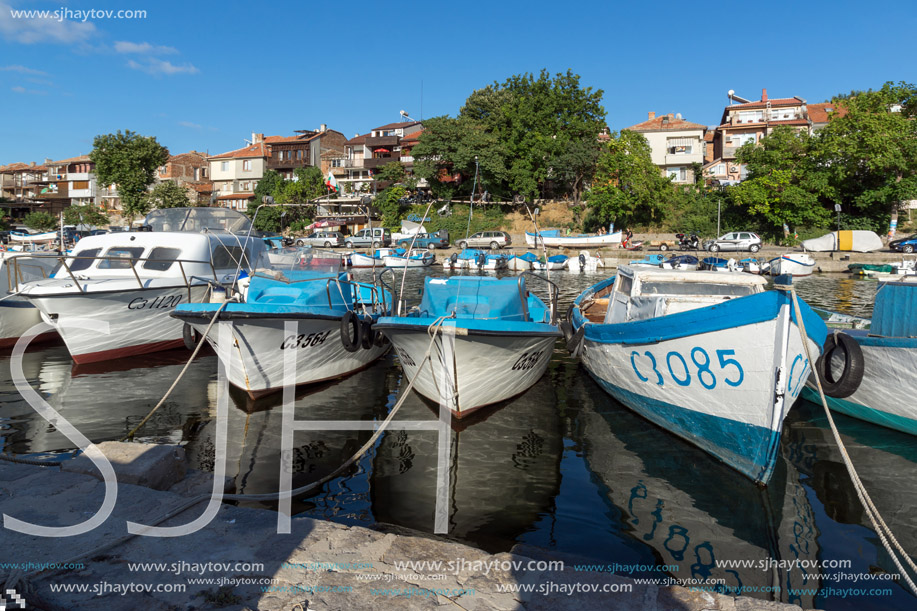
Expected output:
{"points": [[168, 194], [89, 215], [389, 204], [266, 186], [129, 161], [391, 172], [40, 221], [868, 152], [783, 184], [628, 187]]}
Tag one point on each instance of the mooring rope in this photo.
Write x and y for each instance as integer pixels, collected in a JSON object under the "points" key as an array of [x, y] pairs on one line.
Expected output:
{"points": [[882, 529]]}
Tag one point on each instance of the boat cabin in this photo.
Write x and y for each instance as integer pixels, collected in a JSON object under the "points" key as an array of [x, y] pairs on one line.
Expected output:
{"points": [[643, 293]]}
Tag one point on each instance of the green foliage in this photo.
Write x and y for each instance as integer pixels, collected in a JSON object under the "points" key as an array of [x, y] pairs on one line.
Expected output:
{"points": [[309, 184], [268, 184], [869, 156], [525, 132], [628, 188], [40, 221], [129, 161], [485, 218], [783, 183], [89, 215], [391, 172], [388, 204], [168, 194]]}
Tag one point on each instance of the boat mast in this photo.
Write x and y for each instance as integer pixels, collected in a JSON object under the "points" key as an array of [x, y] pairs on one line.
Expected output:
{"points": [[474, 189]]}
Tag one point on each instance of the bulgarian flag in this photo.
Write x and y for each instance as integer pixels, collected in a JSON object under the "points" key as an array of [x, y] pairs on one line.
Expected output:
{"points": [[332, 183]]}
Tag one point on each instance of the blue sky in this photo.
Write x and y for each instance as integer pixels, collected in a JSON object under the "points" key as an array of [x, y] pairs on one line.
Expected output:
{"points": [[205, 76]]}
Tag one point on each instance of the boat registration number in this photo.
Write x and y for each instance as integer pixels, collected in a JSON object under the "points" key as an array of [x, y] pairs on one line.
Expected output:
{"points": [[304, 341], [527, 361], [647, 366]]}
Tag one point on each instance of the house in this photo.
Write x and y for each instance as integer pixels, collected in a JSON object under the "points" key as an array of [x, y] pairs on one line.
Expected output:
{"points": [[820, 114], [189, 170], [750, 121], [20, 184], [235, 174], [675, 144]]}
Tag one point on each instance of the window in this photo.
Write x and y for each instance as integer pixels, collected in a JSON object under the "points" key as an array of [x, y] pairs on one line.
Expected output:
{"points": [[679, 174], [299, 154], [225, 256], [162, 259], [696, 288], [680, 146], [162, 170], [78, 264], [247, 165], [123, 257], [740, 139], [623, 285], [751, 116], [224, 166], [717, 170]]}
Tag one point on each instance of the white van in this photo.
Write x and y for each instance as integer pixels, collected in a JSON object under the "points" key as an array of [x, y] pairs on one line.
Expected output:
{"points": [[376, 237]]}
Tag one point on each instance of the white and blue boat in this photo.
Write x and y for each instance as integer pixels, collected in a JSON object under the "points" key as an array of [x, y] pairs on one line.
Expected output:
{"points": [[876, 381], [333, 335], [557, 238], [493, 339], [413, 258], [556, 262], [684, 262], [711, 357], [797, 264]]}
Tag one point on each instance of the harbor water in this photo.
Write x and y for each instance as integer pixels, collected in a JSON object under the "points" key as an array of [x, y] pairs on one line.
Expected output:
{"points": [[563, 467]]}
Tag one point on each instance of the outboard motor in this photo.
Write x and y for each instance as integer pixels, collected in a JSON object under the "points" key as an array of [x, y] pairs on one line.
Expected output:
{"points": [[482, 260], [582, 262]]}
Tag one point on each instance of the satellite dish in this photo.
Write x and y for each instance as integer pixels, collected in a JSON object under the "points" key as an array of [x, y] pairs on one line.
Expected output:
{"points": [[731, 92]]}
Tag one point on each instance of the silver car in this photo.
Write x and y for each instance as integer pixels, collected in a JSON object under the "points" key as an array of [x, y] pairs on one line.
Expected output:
{"points": [[737, 240], [486, 239], [322, 238]]}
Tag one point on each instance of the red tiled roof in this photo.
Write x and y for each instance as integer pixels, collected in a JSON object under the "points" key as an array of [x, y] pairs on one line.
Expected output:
{"points": [[238, 196], [818, 113], [664, 123], [397, 125], [357, 140], [708, 137], [22, 167], [71, 160], [255, 150], [189, 156], [415, 137]]}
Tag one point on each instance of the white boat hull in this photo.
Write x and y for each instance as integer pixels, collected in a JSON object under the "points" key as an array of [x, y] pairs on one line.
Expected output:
{"points": [[591, 264], [138, 320], [459, 363], [794, 265], [691, 386], [519, 265], [361, 260], [403, 262], [583, 241], [259, 345]]}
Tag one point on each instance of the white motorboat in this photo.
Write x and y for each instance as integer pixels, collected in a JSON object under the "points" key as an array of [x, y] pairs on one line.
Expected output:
{"points": [[554, 238], [17, 315], [584, 262], [412, 258], [131, 281], [796, 264]]}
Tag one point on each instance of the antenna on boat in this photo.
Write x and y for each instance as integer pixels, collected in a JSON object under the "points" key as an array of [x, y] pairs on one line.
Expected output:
{"points": [[474, 189], [544, 248]]}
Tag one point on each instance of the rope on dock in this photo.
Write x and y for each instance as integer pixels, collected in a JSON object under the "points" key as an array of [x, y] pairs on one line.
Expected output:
{"points": [[197, 349], [882, 529]]}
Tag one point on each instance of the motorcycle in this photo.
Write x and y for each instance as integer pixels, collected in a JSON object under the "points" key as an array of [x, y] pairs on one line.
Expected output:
{"points": [[688, 242]]}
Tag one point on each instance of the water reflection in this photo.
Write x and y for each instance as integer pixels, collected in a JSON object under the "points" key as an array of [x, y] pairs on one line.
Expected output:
{"points": [[562, 466]]}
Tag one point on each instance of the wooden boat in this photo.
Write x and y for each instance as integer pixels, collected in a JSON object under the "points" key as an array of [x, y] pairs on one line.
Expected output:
{"points": [[493, 339], [868, 371], [333, 333], [554, 238], [711, 357]]}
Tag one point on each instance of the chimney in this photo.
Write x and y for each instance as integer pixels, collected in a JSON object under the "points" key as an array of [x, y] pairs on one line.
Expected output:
{"points": [[671, 116], [764, 95], [257, 138], [652, 115], [323, 127], [32, 164], [47, 161]]}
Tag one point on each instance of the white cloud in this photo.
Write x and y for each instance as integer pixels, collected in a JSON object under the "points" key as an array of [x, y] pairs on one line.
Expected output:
{"points": [[22, 70], [143, 48], [23, 90], [159, 67], [27, 27]]}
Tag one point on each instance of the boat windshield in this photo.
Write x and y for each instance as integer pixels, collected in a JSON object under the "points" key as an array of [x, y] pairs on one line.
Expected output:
{"points": [[696, 289], [301, 259], [197, 219]]}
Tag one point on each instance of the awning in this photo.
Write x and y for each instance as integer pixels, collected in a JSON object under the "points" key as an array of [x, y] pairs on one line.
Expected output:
{"points": [[382, 151]]}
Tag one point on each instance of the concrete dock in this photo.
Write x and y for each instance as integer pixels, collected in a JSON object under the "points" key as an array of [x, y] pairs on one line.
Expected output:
{"points": [[238, 561]]}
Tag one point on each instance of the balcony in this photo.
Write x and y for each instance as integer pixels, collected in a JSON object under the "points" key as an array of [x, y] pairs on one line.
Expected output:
{"points": [[77, 176], [274, 163], [729, 152], [377, 162], [373, 142]]}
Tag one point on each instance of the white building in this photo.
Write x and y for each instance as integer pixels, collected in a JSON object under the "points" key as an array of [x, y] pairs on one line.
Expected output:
{"points": [[675, 144]]}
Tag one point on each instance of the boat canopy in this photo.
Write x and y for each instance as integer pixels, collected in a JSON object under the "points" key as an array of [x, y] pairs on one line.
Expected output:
{"points": [[895, 310], [856, 241], [197, 219], [472, 297], [300, 288]]}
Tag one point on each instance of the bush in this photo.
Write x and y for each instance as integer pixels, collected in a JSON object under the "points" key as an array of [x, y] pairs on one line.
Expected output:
{"points": [[40, 221]]}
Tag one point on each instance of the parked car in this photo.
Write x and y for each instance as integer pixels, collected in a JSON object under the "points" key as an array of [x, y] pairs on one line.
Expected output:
{"points": [[376, 237], [737, 240], [485, 239], [908, 244], [328, 239], [430, 241], [4, 237]]}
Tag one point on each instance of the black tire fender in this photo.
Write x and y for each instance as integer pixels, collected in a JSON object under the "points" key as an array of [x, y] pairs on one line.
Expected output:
{"points": [[190, 336], [367, 335], [351, 332], [852, 373], [575, 344], [567, 329]]}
